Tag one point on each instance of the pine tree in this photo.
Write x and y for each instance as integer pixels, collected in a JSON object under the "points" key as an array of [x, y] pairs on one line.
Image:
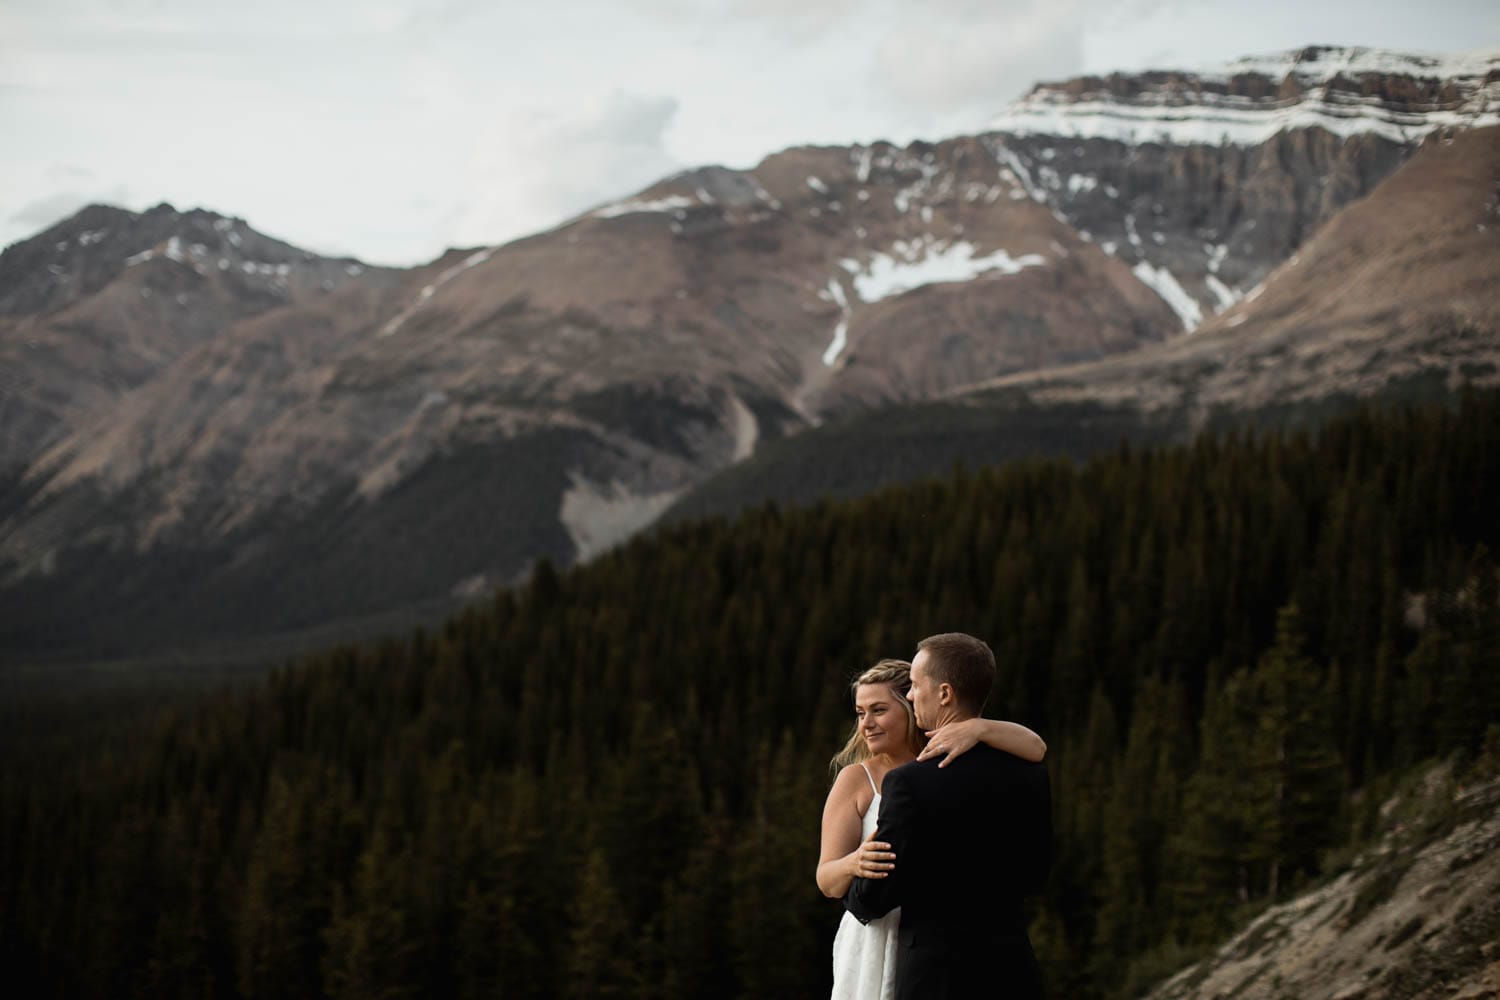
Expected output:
{"points": [[1300, 781], [775, 910], [286, 901], [695, 934], [603, 945], [1210, 872], [371, 951]]}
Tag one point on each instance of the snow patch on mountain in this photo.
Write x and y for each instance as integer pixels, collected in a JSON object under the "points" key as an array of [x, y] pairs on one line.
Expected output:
{"points": [[1320, 64], [1226, 295], [1187, 111], [1216, 255], [670, 203], [428, 291], [1015, 171], [903, 198], [927, 261], [1081, 182], [835, 293], [1160, 281], [1209, 126]]}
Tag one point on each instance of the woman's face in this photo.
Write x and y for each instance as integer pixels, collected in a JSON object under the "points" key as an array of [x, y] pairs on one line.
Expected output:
{"points": [[880, 718]]}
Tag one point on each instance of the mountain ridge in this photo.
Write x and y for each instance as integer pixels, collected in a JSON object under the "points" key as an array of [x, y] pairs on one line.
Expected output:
{"points": [[618, 361], [1348, 90], [1396, 298]]}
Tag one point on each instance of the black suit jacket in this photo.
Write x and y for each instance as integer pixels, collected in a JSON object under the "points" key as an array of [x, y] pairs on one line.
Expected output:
{"points": [[971, 841]]}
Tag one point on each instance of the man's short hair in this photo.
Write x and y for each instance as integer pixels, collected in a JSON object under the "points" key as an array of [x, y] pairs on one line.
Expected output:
{"points": [[963, 662]]}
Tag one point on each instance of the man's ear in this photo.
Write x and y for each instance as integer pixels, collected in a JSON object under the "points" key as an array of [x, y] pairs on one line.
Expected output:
{"points": [[945, 694]]}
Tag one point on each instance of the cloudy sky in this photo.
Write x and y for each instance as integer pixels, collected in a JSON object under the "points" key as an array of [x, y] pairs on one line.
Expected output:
{"points": [[392, 129]]}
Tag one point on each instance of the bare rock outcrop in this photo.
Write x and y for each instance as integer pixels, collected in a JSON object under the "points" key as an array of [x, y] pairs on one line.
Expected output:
{"points": [[1414, 917]]}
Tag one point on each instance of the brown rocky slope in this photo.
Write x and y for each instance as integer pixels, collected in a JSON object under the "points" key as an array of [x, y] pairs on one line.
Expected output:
{"points": [[1416, 916], [1396, 297], [1403, 283]]}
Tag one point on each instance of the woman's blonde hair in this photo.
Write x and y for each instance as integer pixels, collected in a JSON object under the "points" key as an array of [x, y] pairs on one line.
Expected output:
{"points": [[896, 674]]}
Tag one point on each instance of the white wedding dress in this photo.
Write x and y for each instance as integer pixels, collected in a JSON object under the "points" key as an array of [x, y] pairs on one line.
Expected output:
{"points": [[864, 955]]}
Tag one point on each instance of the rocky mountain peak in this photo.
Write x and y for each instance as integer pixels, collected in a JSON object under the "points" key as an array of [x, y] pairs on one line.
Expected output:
{"points": [[107, 299], [1204, 181], [81, 255], [1348, 91]]}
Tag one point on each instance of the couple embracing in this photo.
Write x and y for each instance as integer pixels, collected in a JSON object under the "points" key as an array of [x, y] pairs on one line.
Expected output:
{"points": [[933, 843]]}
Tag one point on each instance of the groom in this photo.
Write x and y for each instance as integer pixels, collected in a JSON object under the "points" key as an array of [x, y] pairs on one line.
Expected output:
{"points": [[971, 840]]}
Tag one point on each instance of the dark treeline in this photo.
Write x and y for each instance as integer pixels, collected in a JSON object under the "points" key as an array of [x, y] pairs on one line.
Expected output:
{"points": [[608, 783]]}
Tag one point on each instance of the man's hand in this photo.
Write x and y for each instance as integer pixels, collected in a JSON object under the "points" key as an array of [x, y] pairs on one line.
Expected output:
{"points": [[953, 740]]}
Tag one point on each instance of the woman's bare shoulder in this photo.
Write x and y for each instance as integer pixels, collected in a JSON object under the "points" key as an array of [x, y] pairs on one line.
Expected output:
{"points": [[847, 783], [850, 776]]}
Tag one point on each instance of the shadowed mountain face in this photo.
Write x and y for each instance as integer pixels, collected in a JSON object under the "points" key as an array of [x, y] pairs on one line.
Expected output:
{"points": [[208, 431]]}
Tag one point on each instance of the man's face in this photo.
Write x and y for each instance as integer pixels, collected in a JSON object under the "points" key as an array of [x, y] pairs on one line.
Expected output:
{"points": [[923, 693]]}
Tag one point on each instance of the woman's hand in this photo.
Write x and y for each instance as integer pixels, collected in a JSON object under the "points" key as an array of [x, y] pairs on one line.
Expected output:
{"points": [[958, 738], [954, 740], [872, 859]]}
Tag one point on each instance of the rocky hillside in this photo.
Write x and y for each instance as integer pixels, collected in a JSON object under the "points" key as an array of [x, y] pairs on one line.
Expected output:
{"points": [[1397, 297], [1417, 915], [108, 300], [1404, 283], [204, 426], [1206, 181]]}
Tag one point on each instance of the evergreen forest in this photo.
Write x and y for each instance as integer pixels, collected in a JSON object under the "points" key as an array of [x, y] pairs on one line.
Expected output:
{"points": [[608, 782]]}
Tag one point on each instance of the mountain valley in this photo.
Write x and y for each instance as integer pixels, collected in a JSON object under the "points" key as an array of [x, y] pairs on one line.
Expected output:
{"points": [[212, 435]]}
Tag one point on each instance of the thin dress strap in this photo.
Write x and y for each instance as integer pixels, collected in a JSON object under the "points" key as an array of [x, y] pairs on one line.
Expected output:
{"points": [[871, 778]]}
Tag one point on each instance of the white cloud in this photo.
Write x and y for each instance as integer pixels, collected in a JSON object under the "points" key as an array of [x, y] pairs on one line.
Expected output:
{"points": [[798, 19], [392, 128], [533, 170], [68, 172], [1187, 34], [979, 56], [42, 213]]}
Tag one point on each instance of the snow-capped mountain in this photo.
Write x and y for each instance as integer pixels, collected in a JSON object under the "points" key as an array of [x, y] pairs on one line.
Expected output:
{"points": [[1396, 296], [259, 439], [1402, 286], [1344, 91], [1206, 181]]}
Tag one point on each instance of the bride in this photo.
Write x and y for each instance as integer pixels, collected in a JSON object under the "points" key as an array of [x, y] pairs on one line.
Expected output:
{"points": [[885, 736]]}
